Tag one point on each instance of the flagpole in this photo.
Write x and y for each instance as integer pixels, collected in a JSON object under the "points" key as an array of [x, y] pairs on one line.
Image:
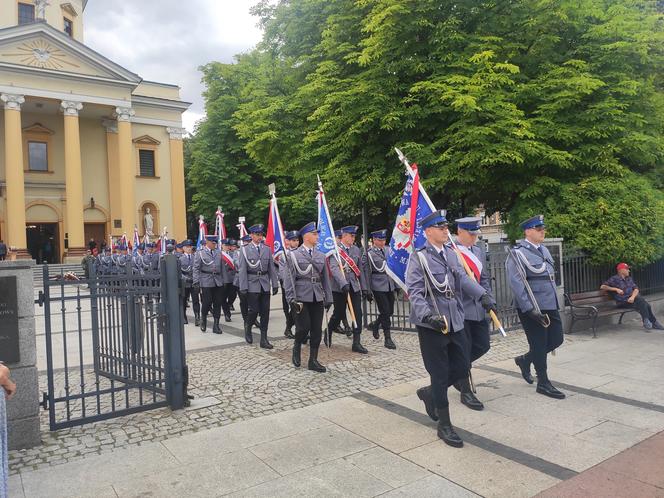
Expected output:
{"points": [[337, 256]]}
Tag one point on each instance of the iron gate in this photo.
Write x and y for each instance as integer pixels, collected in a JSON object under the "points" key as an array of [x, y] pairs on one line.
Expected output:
{"points": [[114, 344]]}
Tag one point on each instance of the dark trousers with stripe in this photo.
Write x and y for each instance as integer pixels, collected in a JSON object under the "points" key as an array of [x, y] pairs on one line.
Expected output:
{"points": [[340, 304], [212, 299], [542, 340], [385, 305], [258, 304], [230, 293], [478, 338], [446, 360], [310, 321]]}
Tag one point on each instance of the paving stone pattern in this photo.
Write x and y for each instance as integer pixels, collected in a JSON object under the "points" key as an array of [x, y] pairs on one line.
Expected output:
{"points": [[242, 382]]}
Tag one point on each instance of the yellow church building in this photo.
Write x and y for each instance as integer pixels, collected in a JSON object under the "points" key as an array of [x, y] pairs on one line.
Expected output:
{"points": [[88, 149]]}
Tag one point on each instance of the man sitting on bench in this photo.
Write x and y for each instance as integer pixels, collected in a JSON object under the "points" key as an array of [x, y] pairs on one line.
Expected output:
{"points": [[626, 294]]}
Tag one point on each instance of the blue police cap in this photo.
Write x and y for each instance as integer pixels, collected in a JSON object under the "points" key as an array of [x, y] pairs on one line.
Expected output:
{"points": [[471, 224], [151, 245], [212, 238], [437, 218], [535, 221], [186, 243], [172, 242], [337, 233], [352, 229], [292, 235], [309, 227], [141, 246], [178, 245], [258, 228], [121, 247], [379, 234], [232, 242], [224, 241], [246, 238]]}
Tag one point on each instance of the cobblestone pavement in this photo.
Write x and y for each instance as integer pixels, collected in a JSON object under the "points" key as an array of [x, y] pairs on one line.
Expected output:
{"points": [[242, 382]]}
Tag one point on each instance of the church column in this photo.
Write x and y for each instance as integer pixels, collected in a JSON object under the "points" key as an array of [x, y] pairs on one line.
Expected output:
{"points": [[73, 182], [126, 169], [178, 202], [113, 175], [15, 190]]}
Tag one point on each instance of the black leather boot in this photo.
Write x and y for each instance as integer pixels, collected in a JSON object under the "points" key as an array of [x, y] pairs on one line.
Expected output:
{"points": [[388, 340], [197, 319], [545, 387], [265, 344], [313, 361], [185, 317], [468, 397], [227, 316], [297, 348], [524, 366], [288, 333], [375, 327], [216, 329], [357, 347], [204, 323], [424, 393], [445, 430], [248, 336]]}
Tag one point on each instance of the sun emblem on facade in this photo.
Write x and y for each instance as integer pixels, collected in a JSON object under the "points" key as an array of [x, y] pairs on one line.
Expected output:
{"points": [[40, 53]]}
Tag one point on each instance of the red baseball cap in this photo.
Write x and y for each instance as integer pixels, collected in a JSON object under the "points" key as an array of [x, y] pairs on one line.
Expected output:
{"points": [[622, 266]]}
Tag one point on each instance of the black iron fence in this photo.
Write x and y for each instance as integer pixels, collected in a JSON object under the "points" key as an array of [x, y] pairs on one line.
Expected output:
{"points": [[574, 274], [114, 344]]}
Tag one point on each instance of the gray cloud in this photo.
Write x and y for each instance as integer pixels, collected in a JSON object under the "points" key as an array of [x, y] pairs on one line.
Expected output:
{"points": [[167, 40]]}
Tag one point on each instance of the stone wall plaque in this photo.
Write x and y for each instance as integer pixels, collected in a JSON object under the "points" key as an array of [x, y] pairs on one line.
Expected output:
{"points": [[9, 343]]}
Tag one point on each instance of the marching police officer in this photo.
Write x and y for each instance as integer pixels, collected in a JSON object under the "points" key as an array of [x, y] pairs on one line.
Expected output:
{"points": [[436, 283], [531, 273], [292, 242], [104, 262], [476, 322], [348, 280], [381, 286], [151, 260], [137, 260], [257, 273], [308, 291], [186, 259], [209, 277], [229, 276]]}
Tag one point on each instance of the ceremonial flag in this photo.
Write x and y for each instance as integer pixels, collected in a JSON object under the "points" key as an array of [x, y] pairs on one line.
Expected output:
{"points": [[326, 243], [472, 261], [123, 240], [202, 232], [219, 227], [161, 243], [274, 238], [407, 234], [110, 238], [137, 241]]}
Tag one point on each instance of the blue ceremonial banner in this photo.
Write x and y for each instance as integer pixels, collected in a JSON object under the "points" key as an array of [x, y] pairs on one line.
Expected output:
{"points": [[326, 243], [274, 238], [407, 234]]}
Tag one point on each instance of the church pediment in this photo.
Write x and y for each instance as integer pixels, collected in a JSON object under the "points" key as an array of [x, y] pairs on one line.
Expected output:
{"points": [[146, 140], [42, 48]]}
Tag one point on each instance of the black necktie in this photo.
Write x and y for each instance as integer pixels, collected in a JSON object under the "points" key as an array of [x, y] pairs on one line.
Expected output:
{"points": [[540, 250], [310, 252], [442, 255]]}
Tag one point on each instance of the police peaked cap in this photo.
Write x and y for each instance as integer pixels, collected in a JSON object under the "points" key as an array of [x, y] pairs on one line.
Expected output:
{"points": [[437, 218]]}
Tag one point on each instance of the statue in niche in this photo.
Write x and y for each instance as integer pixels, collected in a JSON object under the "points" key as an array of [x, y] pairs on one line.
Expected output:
{"points": [[40, 8], [148, 222]]}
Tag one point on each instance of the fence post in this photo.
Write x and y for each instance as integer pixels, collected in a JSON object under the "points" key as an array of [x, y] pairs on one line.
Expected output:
{"points": [[174, 340]]}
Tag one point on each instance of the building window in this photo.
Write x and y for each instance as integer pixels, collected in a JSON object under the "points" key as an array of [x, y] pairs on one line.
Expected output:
{"points": [[146, 162], [69, 27], [37, 156], [26, 13]]}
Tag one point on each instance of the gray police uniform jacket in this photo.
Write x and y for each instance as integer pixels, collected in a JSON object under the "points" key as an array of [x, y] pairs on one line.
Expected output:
{"points": [[306, 278], [187, 268], [282, 268], [208, 268], [339, 278], [472, 308], [104, 265], [229, 272], [257, 270], [373, 265], [236, 260], [137, 264], [448, 303], [540, 274]]}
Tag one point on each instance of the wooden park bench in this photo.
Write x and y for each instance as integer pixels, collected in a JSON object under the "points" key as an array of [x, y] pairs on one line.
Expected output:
{"points": [[591, 305]]}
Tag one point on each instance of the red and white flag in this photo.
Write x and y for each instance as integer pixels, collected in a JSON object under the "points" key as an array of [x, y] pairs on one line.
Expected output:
{"points": [[471, 260]]}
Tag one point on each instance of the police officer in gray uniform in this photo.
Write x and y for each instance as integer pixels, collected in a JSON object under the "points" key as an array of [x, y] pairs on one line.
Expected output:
{"points": [[308, 291], [121, 260], [381, 286], [257, 273], [208, 274], [436, 285], [531, 273], [137, 260], [186, 259], [292, 242], [348, 279], [476, 321], [104, 262], [229, 276], [236, 283]]}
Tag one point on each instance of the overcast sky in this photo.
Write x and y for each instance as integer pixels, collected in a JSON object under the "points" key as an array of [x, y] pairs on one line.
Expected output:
{"points": [[166, 40]]}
